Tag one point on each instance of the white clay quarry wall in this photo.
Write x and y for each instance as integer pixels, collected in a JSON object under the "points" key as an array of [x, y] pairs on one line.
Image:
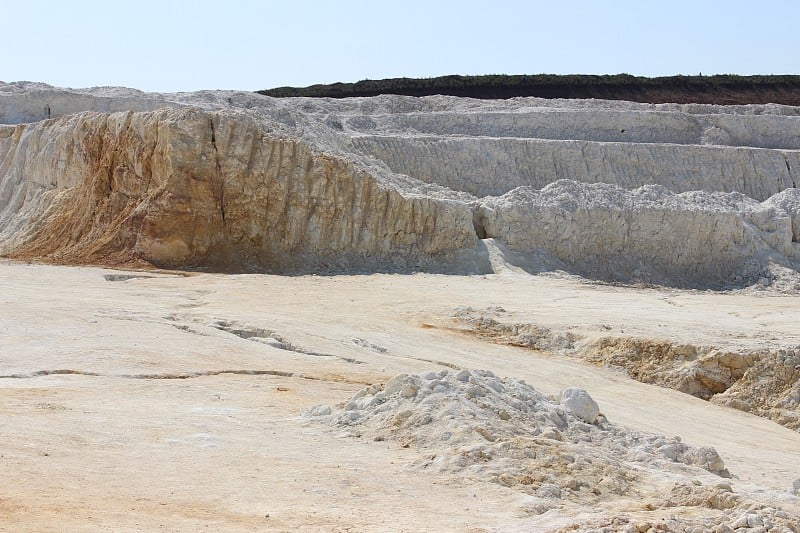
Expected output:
{"points": [[239, 181]]}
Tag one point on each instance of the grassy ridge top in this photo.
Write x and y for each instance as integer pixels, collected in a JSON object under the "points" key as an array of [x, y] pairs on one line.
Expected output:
{"points": [[717, 89]]}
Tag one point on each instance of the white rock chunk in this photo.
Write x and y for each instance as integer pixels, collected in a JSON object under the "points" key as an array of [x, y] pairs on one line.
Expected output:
{"points": [[580, 404]]}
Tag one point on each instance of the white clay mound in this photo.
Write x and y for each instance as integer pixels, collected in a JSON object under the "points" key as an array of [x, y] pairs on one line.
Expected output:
{"points": [[561, 451], [477, 418]]}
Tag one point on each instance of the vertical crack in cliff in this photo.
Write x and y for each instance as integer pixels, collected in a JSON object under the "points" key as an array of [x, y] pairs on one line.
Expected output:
{"points": [[218, 172], [478, 223], [789, 170]]}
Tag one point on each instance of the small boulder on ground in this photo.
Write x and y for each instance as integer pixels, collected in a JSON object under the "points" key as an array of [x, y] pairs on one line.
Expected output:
{"points": [[580, 404]]}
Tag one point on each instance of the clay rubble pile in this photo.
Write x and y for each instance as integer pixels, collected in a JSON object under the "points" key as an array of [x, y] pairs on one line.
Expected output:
{"points": [[560, 452]]}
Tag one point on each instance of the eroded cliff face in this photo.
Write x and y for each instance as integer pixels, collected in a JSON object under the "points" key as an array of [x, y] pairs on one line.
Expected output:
{"points": [[184, 187], [683, 195]]}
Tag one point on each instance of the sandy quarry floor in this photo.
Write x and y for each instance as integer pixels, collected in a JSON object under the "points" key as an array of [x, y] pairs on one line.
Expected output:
{"points": [[165, 401]]}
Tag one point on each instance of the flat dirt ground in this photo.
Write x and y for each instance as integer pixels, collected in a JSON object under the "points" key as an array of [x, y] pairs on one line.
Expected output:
{"points": [[166, 401]]}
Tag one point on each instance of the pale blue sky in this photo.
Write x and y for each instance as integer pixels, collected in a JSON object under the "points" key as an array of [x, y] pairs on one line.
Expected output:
{"points": [[189, 45]]}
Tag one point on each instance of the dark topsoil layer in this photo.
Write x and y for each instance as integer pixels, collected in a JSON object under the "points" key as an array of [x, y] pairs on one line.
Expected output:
{"points": [[718, 89]]}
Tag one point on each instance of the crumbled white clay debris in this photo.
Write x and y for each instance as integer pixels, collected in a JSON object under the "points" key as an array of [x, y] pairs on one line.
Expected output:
{"points": [[319, 410], [474, 423], [756, 519]]}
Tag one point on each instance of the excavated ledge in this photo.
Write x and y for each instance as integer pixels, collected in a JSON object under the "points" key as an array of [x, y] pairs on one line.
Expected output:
{"points": [[486, 166]]}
